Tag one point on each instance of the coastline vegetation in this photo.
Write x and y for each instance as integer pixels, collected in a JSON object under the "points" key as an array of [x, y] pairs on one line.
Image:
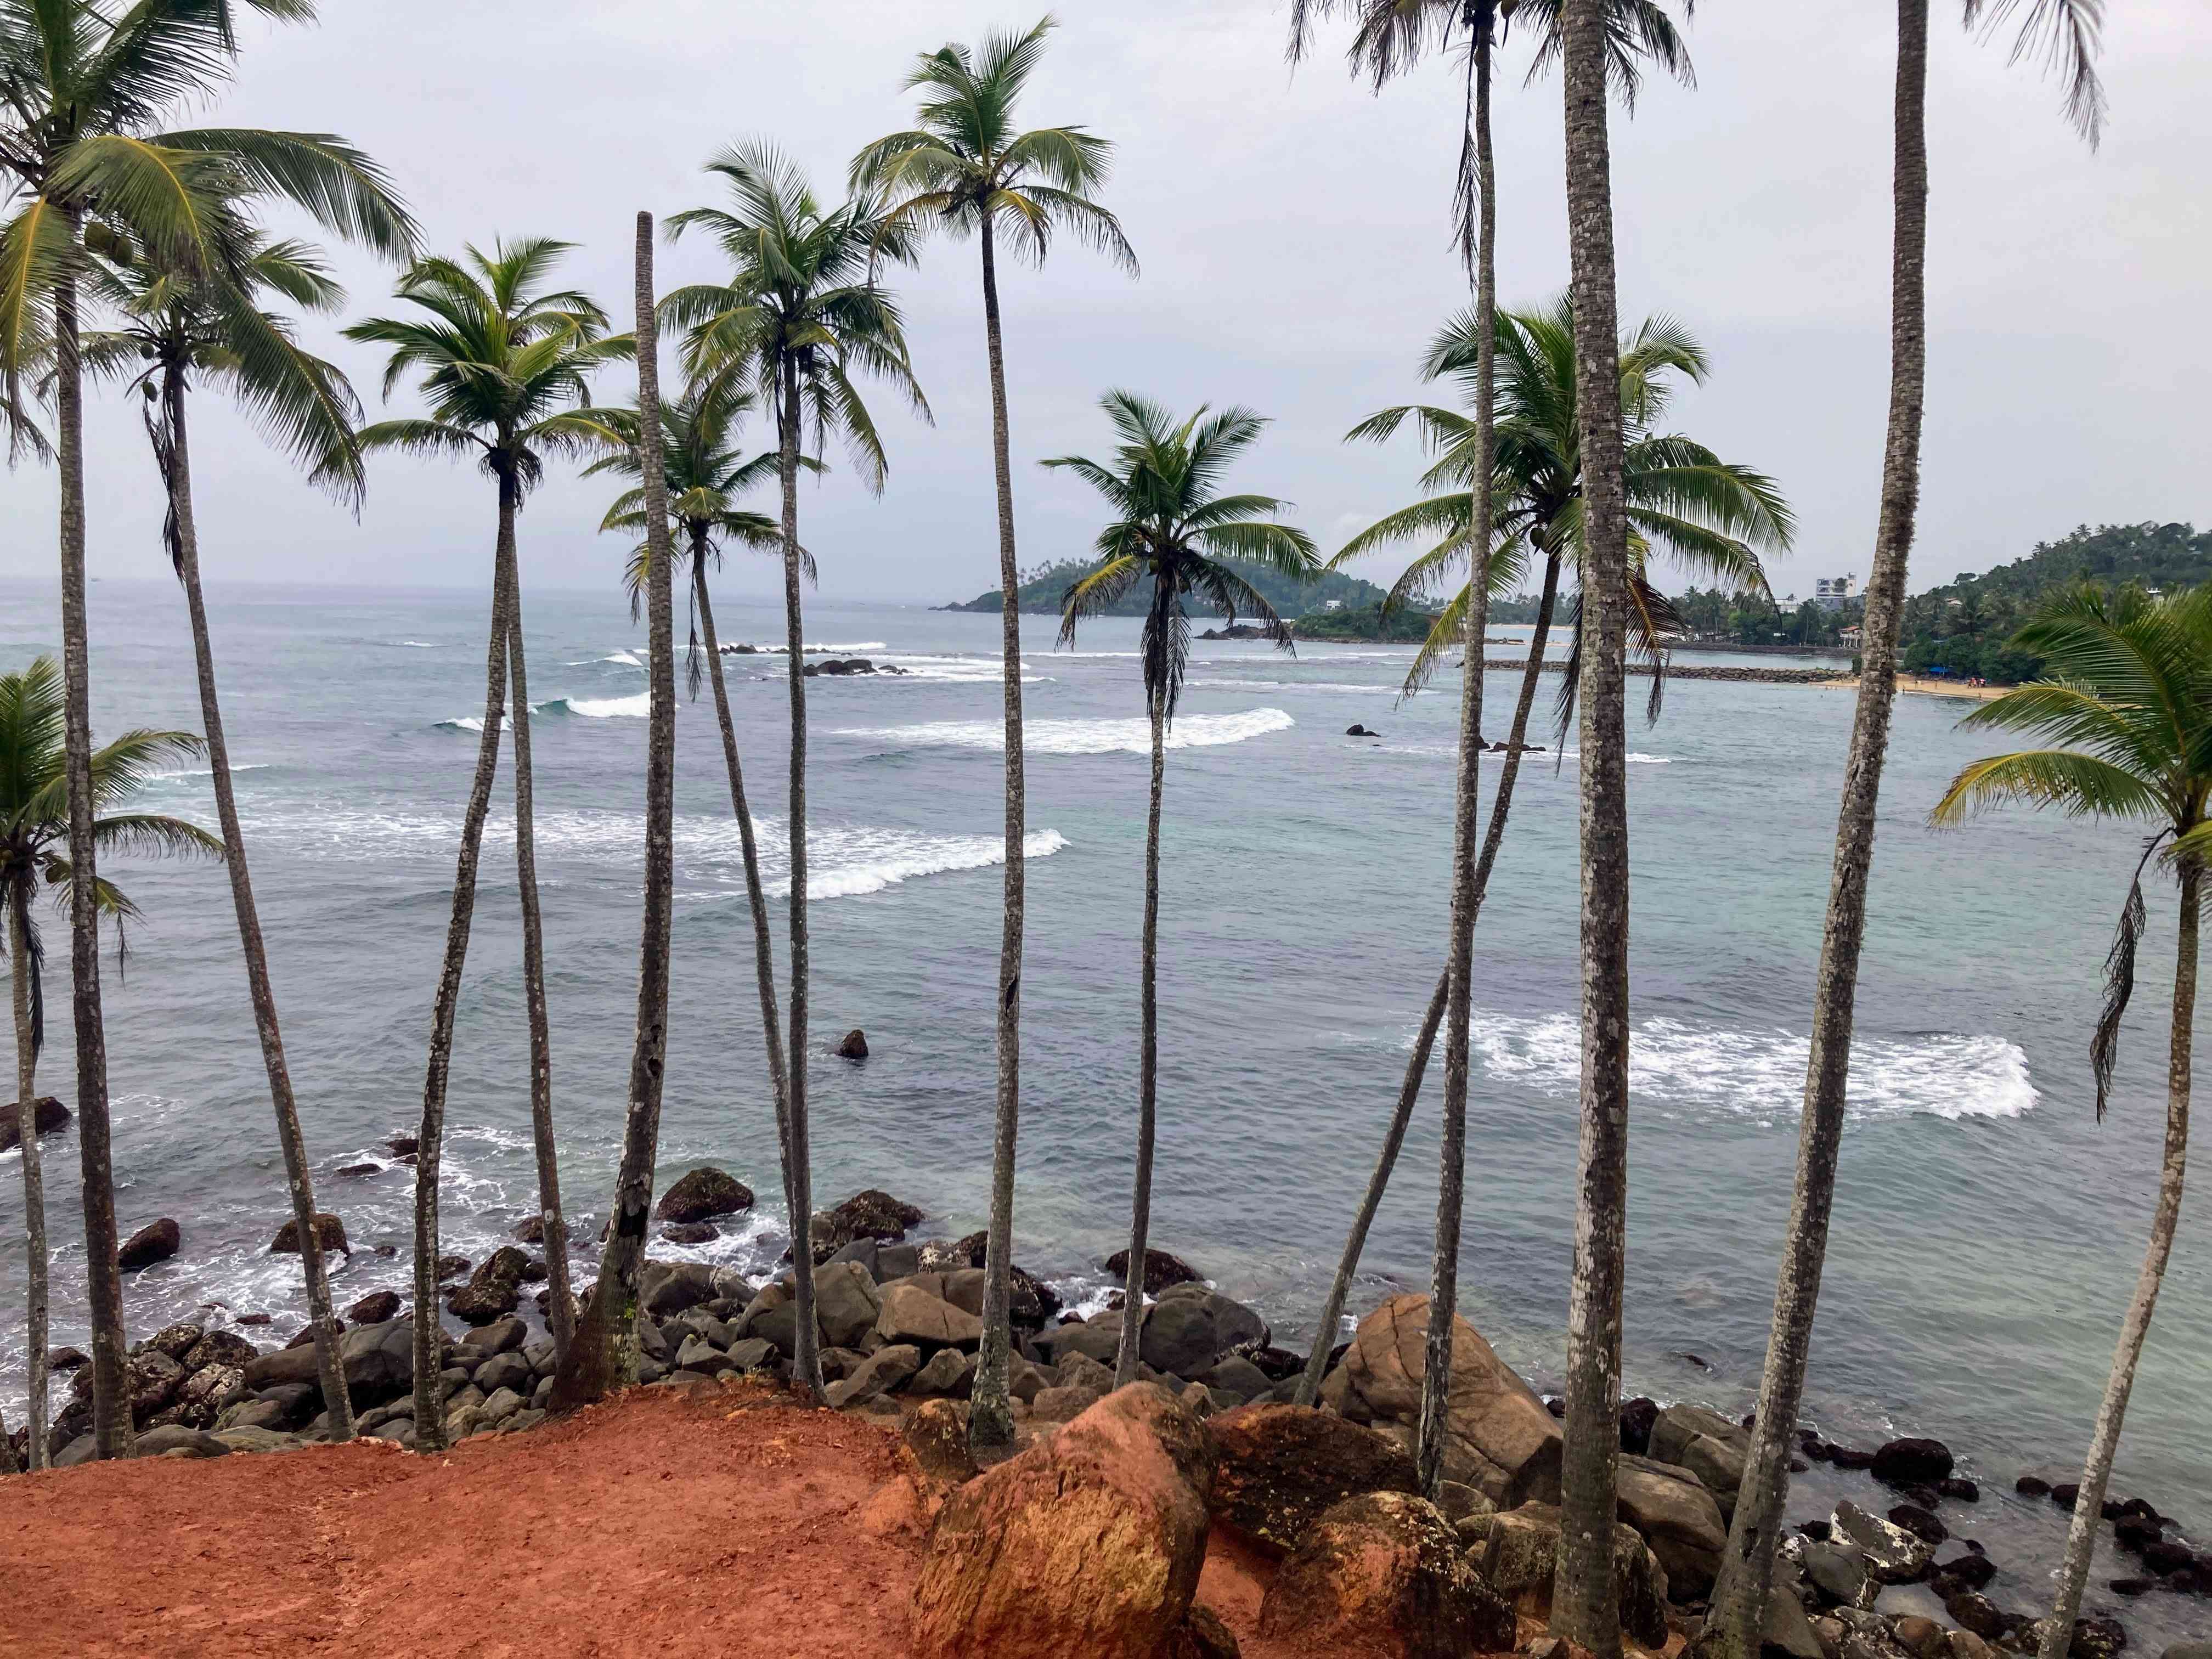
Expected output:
{"points": [[140, 253]]}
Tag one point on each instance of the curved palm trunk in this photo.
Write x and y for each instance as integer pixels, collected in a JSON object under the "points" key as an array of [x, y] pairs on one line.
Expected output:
{"points": [[1737, 1620], [35, 1180], [2088, 1508], [1584, 1606], [798, 1176], [1444, 1284], [1409, 1091], [110, 1398], [560, 1315], [175, 454], [429, 1391], [991, 1416], [764, 947], [604, 1355], [1148, 1058]]}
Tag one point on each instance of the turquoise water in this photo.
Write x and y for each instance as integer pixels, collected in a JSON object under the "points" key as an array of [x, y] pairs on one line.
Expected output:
{"points": [[1987, 1229]]}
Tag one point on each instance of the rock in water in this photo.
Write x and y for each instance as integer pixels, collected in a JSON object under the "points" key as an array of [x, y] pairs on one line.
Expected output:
{"points": [[1282, 1467], [149, 1244], [1088, 1543], [856, 1045], [870, 1214], [493, 1289], [330, 1233], [1500, 1439], [47, 1114], [1381, 1574], [705, 1192], [1161, 1270], [1912, 1462], [374, 1307]]}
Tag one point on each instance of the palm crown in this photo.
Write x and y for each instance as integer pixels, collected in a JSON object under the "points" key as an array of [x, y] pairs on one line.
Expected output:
{"points": [[34, 807], [1171, 525], [2127, 706], [801, 315], [83, 88], [504, 360], [1711, 516], [966, 162], [1390, 36]]}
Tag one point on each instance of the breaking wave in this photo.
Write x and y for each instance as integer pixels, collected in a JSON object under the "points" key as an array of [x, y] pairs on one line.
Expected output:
{"points": [[598, 708], [1081, 737]]}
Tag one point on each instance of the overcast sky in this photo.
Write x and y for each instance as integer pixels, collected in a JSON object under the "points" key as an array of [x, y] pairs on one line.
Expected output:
{"points": [[1295, 257]]}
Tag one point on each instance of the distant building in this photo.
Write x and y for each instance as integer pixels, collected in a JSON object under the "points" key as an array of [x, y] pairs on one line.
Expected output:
{"points": [[1332, 605], [1834, 592]]}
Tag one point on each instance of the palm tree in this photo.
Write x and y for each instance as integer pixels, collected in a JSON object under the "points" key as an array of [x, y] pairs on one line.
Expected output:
{"points": [[704, 473], [604, 1355], [2067, 32], [503, 361], [1172, 528], [178, 325], [34, 839], [799, 317], [83, 90], [1392, 37], [2126, 706], [1710, 516], [968, 168]]}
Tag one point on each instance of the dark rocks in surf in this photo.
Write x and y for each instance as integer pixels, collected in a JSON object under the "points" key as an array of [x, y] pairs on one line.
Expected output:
{"points": [[149, 1244], [1637, 1418], [1911, 1462], [704, 1193], [359, 1171], [374, 1307], [46, 1112], [403, 1146], [840, 667], [493, 1289], [330, 1233], [873, 1214], [1356, 730], [452, 1267], [1921, 1523], [1161, 1270], [690, 1232], [856, 1045]]}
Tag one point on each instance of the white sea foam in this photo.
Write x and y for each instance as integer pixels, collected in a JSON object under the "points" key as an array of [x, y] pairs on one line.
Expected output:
{"points": [[204, 772], [762, 648], [1634, 758], [621, 658], [1082, 737], [851, 864], [598, 708], [1211, 684], [463, 723], [420, 645], [1760, 1074]]}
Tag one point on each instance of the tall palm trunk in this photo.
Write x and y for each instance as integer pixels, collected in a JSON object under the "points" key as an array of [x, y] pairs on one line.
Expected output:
{"points": [[1444, 1284], [1584, 1608], [991, 1416], [560, 1315], [764, 947], [111, 1396], [604, 1355], [429, 1392], [798, 1176], [1409, 1091], [1739, 1603], [34, 1181], [2088, 1508], [1148, 1052], [174, 450]]}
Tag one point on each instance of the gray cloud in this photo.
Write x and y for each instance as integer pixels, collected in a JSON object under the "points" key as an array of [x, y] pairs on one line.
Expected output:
{"points": [[1296, 258]]}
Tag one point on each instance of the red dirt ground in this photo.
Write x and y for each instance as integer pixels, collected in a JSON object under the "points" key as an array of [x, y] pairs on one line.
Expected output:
{"points": [[656, 1526]]}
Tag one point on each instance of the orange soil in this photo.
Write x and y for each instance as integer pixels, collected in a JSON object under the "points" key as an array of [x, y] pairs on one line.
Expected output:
{"points": [[729, 1526]]}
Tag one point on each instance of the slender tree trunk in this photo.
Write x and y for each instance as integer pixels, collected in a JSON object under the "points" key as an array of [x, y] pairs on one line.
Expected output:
{"points": [[110, 1395], [429, 1390], [329, 1366], [1148, 1057], [1584, 1606], [1444, 1284], [1734, 1628], [560, 1315], [799, 1176], [604, 1355], [1409, 1091], [2088, 1508], [34, 1181], [991, 1415], [764, 947]]}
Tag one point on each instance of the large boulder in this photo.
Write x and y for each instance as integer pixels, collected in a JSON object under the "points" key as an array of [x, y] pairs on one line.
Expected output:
{"points": [[1190, 1328], [870, 1214], [877, 1375], [1892, 1555], [47, 1114], [1912, 1462], [330, 1233], [911, 1315], [1282, 1467], [1679, 1519], [1676, 1426], [156, 1242], [493, 1289], [1161, 1270], [670, 1287], [1381, 1574], [1088, 1543], [1030, 1300], [218, 1348], [1498, 1437], [1517, 1553], [176, 1437], [705, 1192], [375, 1309], [379, 1362], [846, 1303]]}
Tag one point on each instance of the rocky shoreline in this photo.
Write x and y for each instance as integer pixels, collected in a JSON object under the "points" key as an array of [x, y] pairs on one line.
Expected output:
{"points": [[900, 1321]]}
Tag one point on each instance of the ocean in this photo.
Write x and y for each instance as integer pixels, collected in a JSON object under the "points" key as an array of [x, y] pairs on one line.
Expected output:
{"points": [[1987, 1229]]}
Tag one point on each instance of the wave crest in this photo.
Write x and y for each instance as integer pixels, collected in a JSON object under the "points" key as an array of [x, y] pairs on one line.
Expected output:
{"points": [[1081, 737]]}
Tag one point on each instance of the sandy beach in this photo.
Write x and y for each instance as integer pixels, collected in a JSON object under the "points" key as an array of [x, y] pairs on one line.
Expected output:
{"points": [[1925, 687]]}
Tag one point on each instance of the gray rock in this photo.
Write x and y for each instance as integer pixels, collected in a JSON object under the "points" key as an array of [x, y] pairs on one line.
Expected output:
{"points": [[261, 1415], [1836, 1571], [882, 1372], [79, 1450], [540, 1355], [502, 1405], [2188, 1650], [1238, 1375], [1894, 1556], [1719, 1464], [541, 1394], [499, 1336], [752, 1353], [505, 1370], [896, 1261], [697, 1354], [194, 1443], [949, 1372], [846, 1302], [771, 1294], [1185, 1334], [670, 1287], [244, 1439], [703, 1193], [778, 1325], [865, 1251], [219, 1348], [1080, 1370], [527, 1419], [652, 1341], [155, 1243], [1099, 1337], [1676, 1426]]}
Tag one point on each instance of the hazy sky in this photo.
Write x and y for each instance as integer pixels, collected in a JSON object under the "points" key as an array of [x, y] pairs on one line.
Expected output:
{"points": [[1295, 257]]}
